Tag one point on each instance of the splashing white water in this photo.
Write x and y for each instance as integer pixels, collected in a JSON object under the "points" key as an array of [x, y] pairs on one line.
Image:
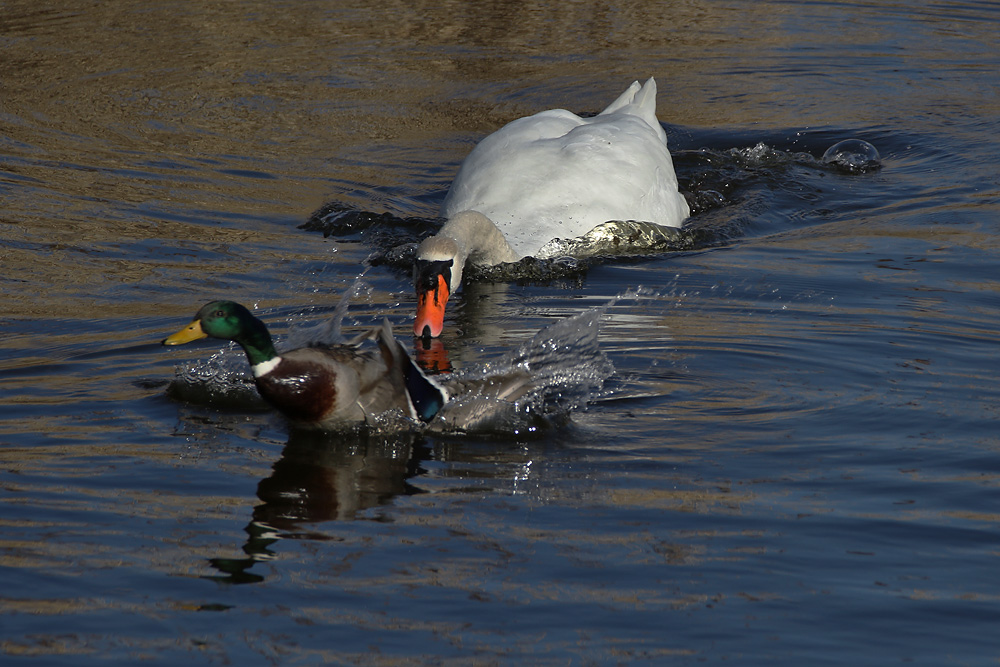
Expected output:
{"points": [[560, 369], [616, 239]]}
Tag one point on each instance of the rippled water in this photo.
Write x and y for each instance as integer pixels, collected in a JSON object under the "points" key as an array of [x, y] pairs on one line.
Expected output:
{"points": [[796, 460]]}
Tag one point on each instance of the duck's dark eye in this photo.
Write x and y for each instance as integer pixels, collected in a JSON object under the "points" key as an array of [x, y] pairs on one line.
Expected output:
{"points": [[220, 313]]}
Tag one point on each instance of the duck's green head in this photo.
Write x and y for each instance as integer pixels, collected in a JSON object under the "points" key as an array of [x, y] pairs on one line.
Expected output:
{"points": [[230, 321]]}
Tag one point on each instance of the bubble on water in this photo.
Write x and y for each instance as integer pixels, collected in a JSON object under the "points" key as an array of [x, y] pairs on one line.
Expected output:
{"points": [[853, 156]]}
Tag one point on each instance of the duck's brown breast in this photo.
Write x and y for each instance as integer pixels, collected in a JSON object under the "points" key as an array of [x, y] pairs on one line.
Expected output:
{"points": [[310, 386]]}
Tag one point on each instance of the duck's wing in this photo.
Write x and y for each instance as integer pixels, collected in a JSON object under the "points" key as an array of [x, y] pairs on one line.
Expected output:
{"points": [[424, 396], [532, 387], [509, 384], [487, 404]]}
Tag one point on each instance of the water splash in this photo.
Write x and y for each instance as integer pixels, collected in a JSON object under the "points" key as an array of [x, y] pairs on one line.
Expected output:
{"points": [[554, 373], [394, 241], [329, 330], [724, 185], [619, 238], [222, 381]]}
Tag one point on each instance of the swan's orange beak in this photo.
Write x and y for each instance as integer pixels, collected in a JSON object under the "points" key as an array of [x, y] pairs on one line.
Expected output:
{"points": [[430, 309]]}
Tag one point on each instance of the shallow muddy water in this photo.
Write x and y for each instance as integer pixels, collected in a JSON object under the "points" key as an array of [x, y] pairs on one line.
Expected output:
{"points": [[795, 462]]}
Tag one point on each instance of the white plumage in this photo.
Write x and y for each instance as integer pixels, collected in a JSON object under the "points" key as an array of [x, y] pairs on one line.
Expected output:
{"points": [[557, 175]]}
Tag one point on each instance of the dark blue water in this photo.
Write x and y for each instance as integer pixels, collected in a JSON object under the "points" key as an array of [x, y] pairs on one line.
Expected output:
{"points": [[796, 462]]}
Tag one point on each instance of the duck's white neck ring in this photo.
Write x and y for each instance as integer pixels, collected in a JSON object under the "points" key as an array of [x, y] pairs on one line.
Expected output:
{"points": [[265, 367]]}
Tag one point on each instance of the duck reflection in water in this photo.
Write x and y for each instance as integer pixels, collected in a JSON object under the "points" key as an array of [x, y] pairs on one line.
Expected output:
{"points": [[320, 479]]}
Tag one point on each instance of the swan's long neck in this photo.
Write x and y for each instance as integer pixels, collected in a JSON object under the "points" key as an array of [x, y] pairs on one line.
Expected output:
{"points": [[468, 235]]}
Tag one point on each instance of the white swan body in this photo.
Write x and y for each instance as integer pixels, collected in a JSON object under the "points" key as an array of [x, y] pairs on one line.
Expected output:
{"points": [[553, 175], [556, 175]]}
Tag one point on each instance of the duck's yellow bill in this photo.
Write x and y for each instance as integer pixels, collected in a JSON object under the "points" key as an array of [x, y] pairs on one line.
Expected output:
{"points": [[186, 335]]}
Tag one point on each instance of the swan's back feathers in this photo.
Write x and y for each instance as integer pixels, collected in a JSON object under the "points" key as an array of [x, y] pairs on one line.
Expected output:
{"points": [[556, 175]]}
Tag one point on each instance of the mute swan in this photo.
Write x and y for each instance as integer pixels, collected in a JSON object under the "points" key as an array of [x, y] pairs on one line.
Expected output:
{"points": [[549, 176]]}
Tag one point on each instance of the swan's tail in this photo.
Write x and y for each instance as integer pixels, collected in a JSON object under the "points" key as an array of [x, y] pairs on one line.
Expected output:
{"points": [[639, 101], [626, 98], [645, 99]]}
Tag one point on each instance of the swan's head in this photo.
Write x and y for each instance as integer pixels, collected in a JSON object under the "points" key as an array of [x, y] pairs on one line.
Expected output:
{"points": [[437, 272]]}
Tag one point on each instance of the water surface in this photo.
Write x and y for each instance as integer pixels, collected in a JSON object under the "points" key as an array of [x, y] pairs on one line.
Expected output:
{"points": [[796, 461]]}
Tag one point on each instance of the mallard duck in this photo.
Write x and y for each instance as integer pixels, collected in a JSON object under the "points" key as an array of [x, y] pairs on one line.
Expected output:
{"points": [[323, 385], [330, 386], [553, 175]]}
